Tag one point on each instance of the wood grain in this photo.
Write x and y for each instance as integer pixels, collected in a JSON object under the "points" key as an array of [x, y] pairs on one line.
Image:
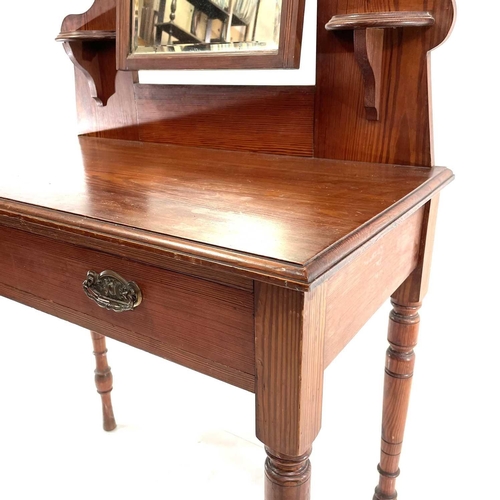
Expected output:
{"points": [[116, 120], [179, 314], [289, 351], [191, 115], [100, 16], [289, 345], [403, 331], [86, 36], [94, 59], [287, 477], [182, 202], [400, 359], [398, 19], [255, 268], [415, 288], [358, 288], [200, 364], [368, 49], [103, 380], [403, 134], [89, 41], [228, 117]]}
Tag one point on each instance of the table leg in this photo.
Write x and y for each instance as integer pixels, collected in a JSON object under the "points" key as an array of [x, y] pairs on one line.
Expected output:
{"points": [[289, 347], [103, 380], [403, 331], [287, 477]]}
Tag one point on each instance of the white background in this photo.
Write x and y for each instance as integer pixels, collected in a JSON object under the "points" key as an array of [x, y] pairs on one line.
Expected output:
{"points": [[184, 436]]}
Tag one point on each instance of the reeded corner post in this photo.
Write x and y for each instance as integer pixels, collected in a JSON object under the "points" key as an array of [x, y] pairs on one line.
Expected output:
{"points": [[289, 336]]}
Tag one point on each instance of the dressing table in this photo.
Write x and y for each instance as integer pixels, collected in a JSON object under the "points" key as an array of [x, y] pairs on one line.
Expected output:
{"points": [[254, 255]]}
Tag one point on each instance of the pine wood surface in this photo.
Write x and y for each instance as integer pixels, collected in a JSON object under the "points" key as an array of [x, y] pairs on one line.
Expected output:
{"points": [[214, 116], [367, 279], [414, 289], [116, 120], [403, 133], [256, 269], [194, 322], [86, 35], [90, 57], [228, 117], [100, 16], [289, 344], [238, 210], [398, 19], [404, 323], [103, 380]]}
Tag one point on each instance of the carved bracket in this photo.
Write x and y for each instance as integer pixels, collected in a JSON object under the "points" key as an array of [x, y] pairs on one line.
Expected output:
{"points": [[93, 53], [89, 39], [369, 43]]}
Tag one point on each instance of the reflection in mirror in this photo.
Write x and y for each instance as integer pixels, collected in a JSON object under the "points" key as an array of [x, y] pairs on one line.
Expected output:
{"points": [[210, 26]]}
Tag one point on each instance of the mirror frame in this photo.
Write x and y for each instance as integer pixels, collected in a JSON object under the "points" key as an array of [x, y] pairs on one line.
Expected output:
{"points": [[287, 56]]}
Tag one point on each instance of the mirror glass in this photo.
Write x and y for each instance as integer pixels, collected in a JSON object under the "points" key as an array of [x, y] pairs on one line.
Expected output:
{"points": [[206, 26]]}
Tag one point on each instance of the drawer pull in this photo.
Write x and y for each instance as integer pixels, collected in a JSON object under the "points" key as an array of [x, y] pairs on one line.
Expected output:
{"points": [[110, 291]]}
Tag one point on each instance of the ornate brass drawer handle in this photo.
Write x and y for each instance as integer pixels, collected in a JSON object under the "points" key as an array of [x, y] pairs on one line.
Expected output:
{"points": [[110, 291]]}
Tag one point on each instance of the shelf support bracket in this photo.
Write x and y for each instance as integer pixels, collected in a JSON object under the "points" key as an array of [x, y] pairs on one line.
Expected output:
{"points": [[368, 47], [89, 40], [369, 44], [94, 54]]}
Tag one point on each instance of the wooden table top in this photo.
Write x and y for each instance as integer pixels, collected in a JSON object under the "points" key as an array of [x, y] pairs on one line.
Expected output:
{"points": [[293, 218]]}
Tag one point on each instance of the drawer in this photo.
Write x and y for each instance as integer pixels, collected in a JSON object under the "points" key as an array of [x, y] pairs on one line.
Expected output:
{"points": [[201, 324]]}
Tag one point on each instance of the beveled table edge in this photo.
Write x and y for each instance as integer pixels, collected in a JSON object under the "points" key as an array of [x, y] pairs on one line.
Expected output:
{"points": [[115, 238]]}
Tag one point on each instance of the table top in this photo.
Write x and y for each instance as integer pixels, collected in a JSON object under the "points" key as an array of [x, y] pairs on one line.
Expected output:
{"points": [[290, 217]]}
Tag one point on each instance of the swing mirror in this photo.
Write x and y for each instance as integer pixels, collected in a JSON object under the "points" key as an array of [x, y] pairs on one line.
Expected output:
{"points": [[215, 34]]}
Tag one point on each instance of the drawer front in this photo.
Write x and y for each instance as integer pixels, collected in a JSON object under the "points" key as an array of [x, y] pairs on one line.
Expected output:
{"points": [[204, 325]]}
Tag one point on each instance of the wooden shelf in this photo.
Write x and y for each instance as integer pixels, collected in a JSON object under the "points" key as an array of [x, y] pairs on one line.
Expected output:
{"points": [[93, 52], [380, 20], [368, 30], [86, 36]]}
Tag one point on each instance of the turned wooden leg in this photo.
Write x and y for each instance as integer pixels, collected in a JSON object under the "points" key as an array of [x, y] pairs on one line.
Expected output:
{"points": [[403, 331], [103, 380], [287, 477], [289, 345]]}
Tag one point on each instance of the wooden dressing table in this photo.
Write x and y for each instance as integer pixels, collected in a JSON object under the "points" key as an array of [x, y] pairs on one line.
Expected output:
{"points": [[252, 256]]}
